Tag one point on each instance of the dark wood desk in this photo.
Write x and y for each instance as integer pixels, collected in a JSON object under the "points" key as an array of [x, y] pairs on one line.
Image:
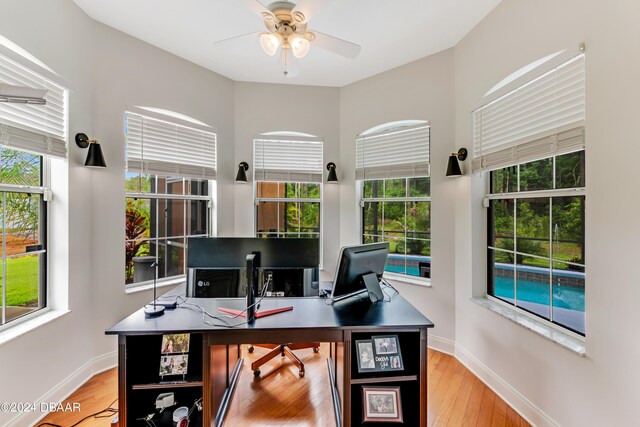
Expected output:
{"points": [[216, 356]]}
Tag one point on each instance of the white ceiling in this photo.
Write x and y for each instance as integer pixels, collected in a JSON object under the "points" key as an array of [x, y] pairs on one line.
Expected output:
{"points": [[391, 33]]}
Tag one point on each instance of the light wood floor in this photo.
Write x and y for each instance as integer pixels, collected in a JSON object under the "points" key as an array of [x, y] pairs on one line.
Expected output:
{"points": [[279, 398]]}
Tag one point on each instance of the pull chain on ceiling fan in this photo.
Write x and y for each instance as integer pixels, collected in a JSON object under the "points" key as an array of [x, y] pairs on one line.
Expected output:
{"points": [[286, 25]]}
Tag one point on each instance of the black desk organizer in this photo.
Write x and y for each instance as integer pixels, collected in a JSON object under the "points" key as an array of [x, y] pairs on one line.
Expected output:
{"points": [[144, 382]]}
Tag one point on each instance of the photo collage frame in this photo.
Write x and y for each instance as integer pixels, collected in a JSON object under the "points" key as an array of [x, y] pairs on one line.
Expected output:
{"points": [[381, 353], [174, 358]]}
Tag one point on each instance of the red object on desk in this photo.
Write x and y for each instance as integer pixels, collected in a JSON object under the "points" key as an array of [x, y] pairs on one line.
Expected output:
{"points": [[259, 314]]}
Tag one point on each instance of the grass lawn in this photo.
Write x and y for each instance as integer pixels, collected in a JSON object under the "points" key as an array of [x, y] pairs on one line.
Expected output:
{"points": [[22, 281]]}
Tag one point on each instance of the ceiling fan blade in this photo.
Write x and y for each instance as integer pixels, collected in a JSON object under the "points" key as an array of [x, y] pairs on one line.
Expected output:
{"points": [[336, 45], [259, 9], [308, 9], [237, 39]]}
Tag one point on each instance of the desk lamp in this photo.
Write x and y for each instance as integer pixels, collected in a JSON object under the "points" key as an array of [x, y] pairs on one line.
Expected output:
{"points": [[154, 310]]}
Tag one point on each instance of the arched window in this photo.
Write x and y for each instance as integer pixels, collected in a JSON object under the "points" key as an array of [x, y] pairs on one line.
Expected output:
{"points": [[33, 130], [392, 171], [288, 175], [171, 168]]}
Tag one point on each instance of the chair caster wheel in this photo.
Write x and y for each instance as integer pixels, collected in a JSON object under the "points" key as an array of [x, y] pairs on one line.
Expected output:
{"points": [[316, 349], [256, 373], [250, 349], [301, 373]]}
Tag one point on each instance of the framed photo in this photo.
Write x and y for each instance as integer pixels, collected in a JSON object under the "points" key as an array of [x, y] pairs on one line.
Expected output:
{"points": [[174, 364], [386, 344], [365, 357], [175, 343], [379, 354], [381, 404]]}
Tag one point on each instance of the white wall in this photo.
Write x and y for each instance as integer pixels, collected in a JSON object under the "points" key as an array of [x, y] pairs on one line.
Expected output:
{"points": [[419, 90], [601, 388], [263, 108], [106, 71], [128, 72], [35, 363]]}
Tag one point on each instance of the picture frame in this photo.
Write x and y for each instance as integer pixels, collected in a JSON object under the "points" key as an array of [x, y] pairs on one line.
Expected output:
{"points": [[381, 404], [365, 356], [381, 353], [175, 343], [386, 344], [176, 364]]}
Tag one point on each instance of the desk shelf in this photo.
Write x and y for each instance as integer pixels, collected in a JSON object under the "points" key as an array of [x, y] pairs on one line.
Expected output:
{"points": [[407, 379], [156, 386], [144, 383], [384, 380]]}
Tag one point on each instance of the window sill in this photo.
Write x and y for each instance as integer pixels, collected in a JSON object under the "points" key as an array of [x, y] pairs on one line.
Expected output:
{"points": [[561, 338], [145, 286], [26, 326], [408, 279]]}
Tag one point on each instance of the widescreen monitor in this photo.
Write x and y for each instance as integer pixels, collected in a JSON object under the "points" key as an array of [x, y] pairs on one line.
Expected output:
{"points": [[355, 262], [217, 266]]}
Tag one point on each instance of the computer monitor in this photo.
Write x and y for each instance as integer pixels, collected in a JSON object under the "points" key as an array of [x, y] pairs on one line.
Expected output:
{"points": [[217, 266], [354, 263]]}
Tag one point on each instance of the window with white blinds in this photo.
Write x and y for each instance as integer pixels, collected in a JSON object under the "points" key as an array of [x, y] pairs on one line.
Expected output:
{"points": [[543, 118], [287, 159], [401, 152], [40, 129], [162, 147]]}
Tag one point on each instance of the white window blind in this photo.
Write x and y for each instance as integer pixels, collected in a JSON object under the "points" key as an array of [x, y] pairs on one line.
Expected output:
{"points": [[397, 153], [292, 159], [159, 147], [40, 129], [542, 118]]}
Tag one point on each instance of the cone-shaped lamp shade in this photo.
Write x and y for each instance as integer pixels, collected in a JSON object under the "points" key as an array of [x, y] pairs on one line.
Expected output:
{"points": [[453, 168], [270, 42], [242, 172], [95, 159], [299, 45], [332, 176]]}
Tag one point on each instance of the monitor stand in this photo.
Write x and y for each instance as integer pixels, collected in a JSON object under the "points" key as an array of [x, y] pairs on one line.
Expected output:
{"points": [[373, 287]]}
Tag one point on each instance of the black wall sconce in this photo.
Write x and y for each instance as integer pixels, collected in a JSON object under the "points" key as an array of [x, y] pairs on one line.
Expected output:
{"points": [[453, 168], [242, 172], [95, 159], [332, 176]]}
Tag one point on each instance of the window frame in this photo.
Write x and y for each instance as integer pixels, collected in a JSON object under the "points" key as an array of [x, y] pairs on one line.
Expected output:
{"points": [[156, 196], [518, 194], [32, 66], [319, 200], [44, 289], [405, 199]]}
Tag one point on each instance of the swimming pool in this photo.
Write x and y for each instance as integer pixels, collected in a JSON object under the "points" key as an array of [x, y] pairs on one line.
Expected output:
{"points": [[411, 271], [569, 297], [568, 301]]}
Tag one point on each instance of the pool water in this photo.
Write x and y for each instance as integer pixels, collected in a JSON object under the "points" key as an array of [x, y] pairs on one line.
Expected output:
{"points": [[569, 297], [411, 271]]}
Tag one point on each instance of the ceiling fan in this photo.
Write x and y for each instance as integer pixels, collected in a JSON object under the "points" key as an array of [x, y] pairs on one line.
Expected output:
{"points": [[286, 24]]}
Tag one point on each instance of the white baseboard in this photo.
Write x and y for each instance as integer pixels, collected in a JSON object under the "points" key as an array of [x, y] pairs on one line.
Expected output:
{"points": [[443, 345], [527, 410], [66, 388]]}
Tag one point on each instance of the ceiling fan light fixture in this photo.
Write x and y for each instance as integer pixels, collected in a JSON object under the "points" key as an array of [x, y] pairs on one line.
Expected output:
{"points": [[270, 42], [299, 45]]}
